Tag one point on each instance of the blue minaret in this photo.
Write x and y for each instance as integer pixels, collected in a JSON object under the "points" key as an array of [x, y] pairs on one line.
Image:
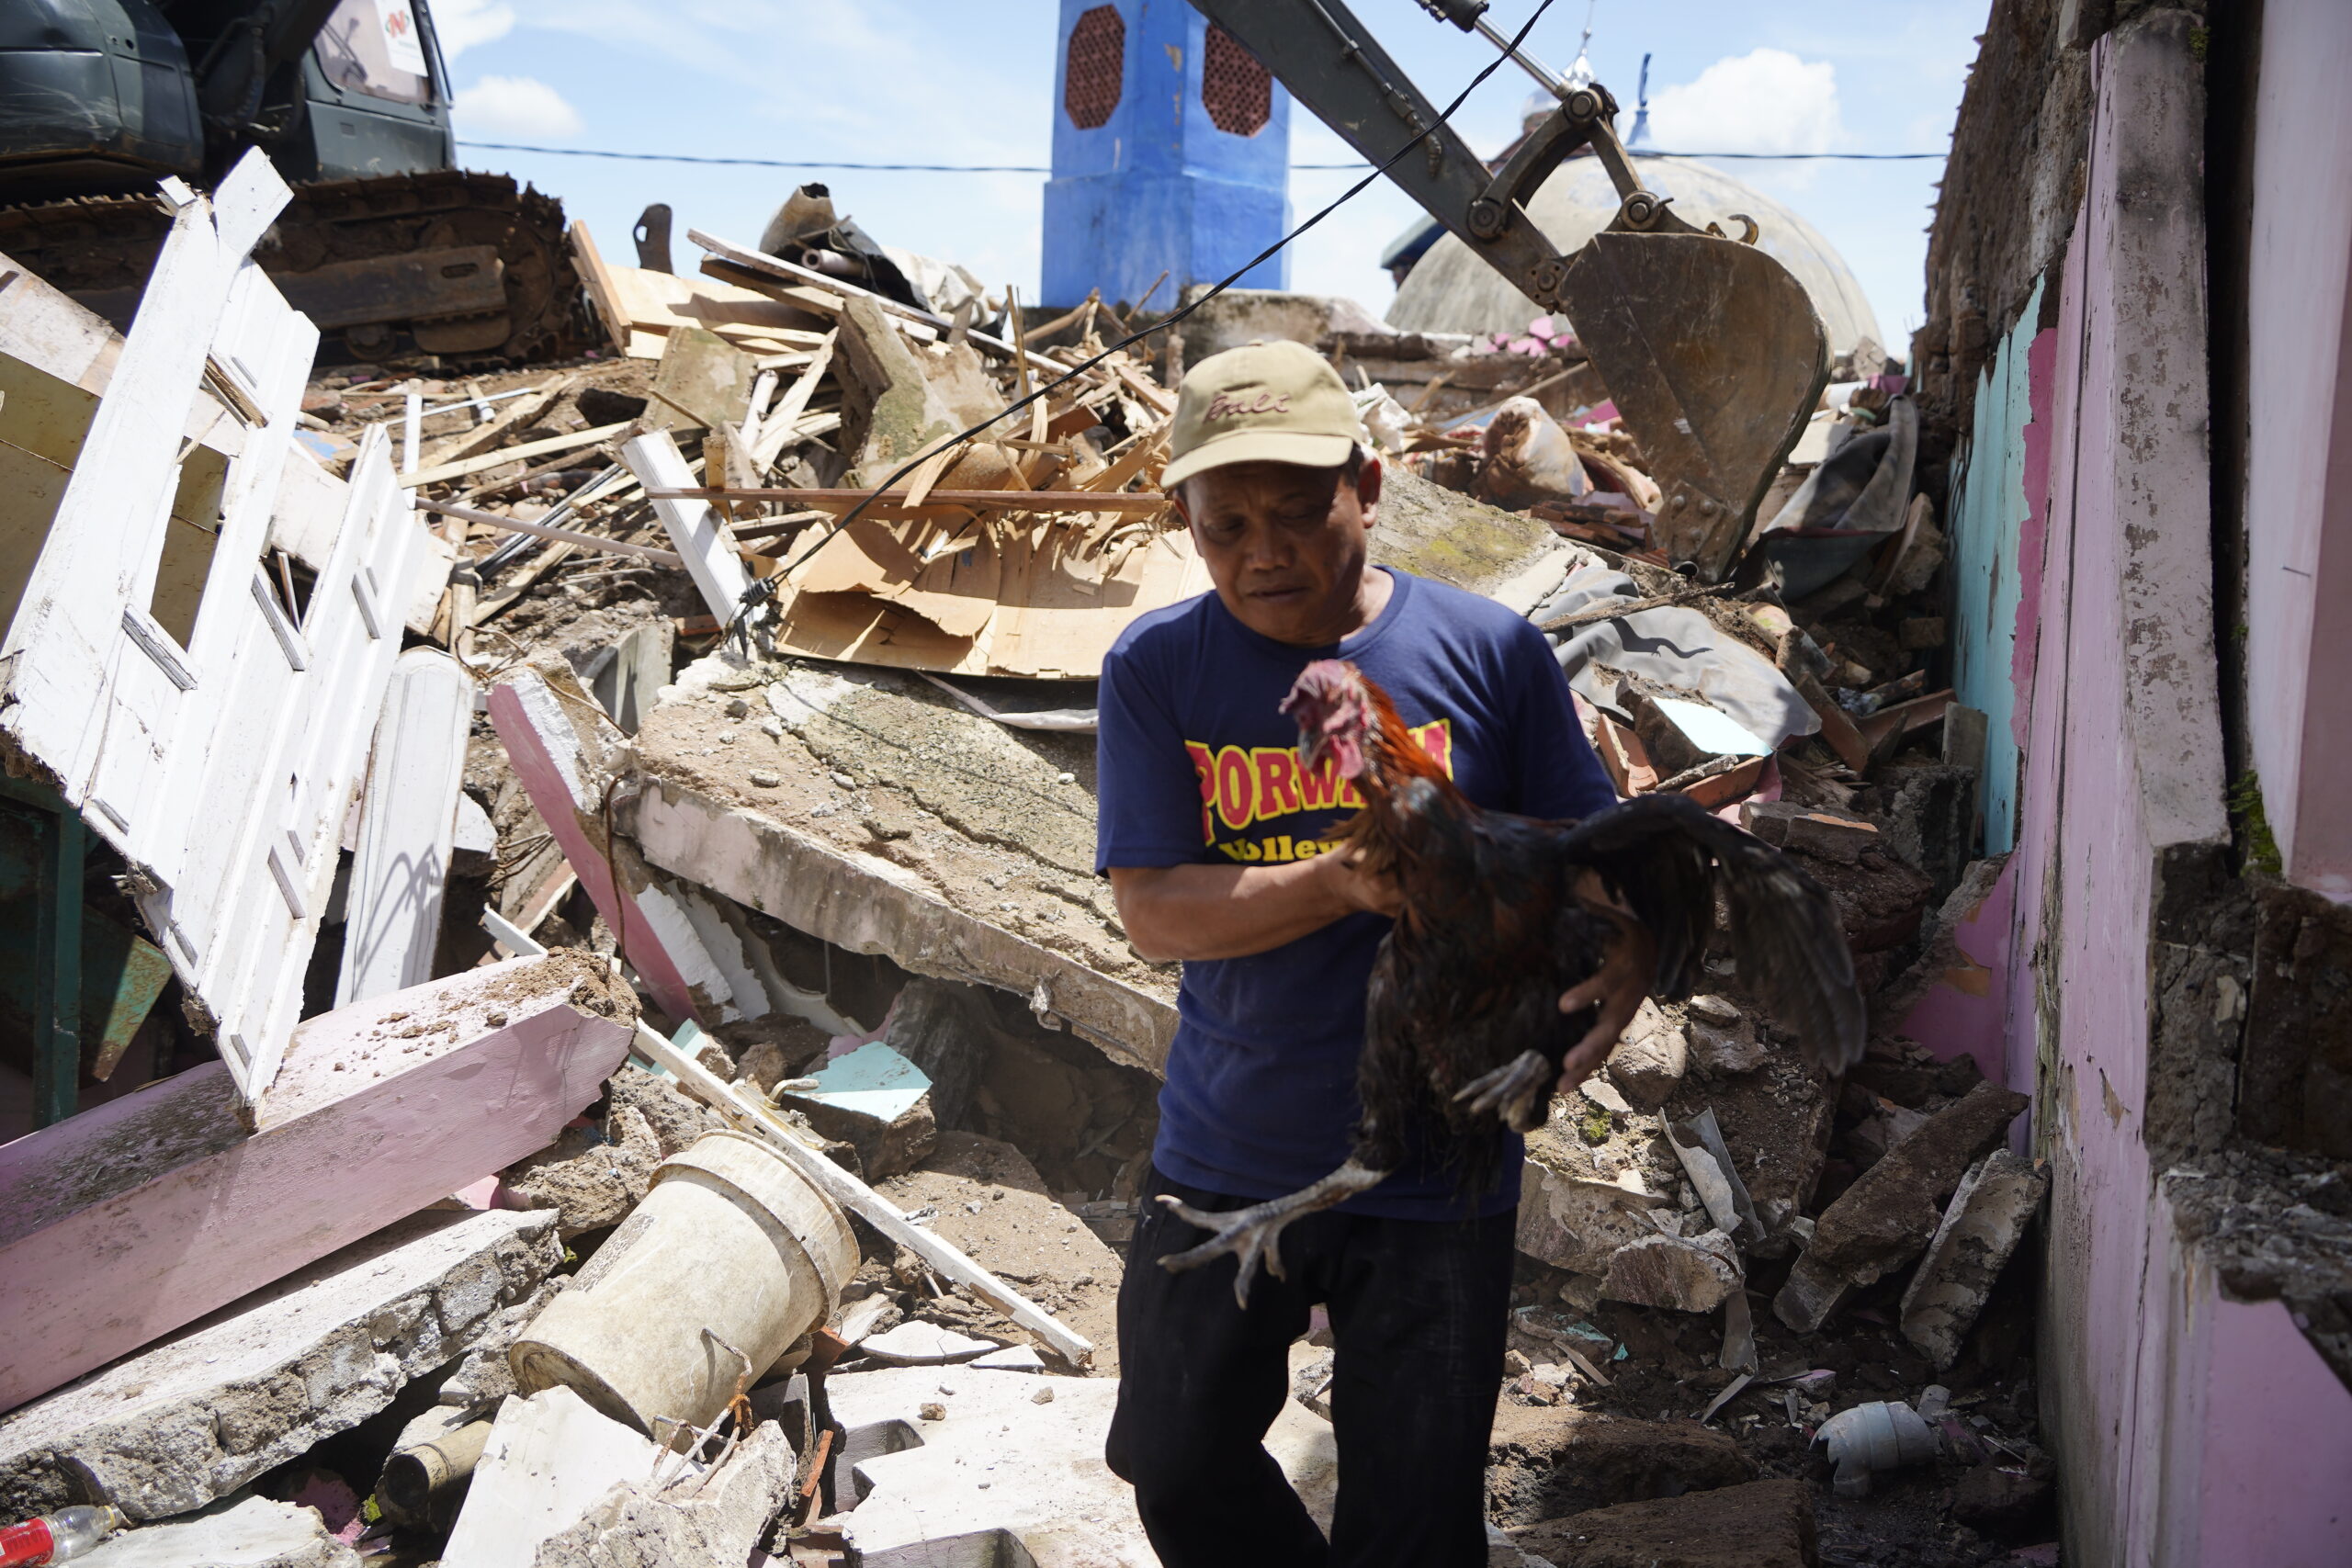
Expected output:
{"points": [[1172, 149]]}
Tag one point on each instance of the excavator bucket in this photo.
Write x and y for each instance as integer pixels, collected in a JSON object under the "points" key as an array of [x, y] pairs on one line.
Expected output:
{"points": [[1715, 359]]}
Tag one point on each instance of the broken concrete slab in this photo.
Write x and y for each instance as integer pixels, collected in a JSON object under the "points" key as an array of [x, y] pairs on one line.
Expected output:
{"points": [[994, 1473], [550, 1460], [1545, 1461], [875, 1101], [925, 1345], [1764, 1524], [236, 1532], [1988, 1215], [1692, 1273], [989, 1200], [1891, 1212], [589, 1177], [896, 807], [1648, 1062], [125, 1223], [718, 1519], [191, 1419]]}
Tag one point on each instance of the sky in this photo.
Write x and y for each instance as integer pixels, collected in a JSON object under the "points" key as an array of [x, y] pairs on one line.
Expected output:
{"points": [[952, 82]]}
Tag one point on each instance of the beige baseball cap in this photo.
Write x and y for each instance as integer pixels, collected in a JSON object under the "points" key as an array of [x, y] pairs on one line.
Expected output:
{"points": [[1263, 402]]}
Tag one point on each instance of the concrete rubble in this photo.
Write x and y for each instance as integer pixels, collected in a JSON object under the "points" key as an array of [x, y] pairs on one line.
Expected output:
{"points": [[807, 865]]}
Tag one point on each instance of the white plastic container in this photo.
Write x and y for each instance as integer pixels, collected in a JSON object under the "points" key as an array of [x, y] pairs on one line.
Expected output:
{"points": [[732, 1250]]}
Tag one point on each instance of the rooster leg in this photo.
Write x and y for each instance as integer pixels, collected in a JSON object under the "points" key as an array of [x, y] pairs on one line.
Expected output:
{"points": [[1254, 1233], [1517, 1090]]}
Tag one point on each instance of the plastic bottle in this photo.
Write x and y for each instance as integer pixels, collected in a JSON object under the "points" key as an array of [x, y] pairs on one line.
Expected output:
{"points": [[57, 1538]]}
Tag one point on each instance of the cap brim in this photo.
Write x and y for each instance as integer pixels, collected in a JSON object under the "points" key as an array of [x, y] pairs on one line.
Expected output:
{"points": [[1258, 446]]}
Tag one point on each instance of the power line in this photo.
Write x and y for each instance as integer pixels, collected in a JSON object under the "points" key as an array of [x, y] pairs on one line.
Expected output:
{"points": [[1045, 169]]}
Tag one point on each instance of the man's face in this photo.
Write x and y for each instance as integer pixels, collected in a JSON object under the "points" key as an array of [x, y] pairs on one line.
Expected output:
{"points": [[1284, 544]]}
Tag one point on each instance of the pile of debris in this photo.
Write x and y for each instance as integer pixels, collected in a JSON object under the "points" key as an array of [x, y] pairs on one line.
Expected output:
{"points": [[610, 1048]]}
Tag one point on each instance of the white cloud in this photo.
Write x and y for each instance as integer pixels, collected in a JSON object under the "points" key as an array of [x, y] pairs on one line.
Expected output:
{"points": [[515, 106], [461, 24], [1765, 101]]}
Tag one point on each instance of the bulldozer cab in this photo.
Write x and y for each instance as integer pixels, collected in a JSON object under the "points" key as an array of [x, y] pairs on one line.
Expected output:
{"points": [[375, 95]]}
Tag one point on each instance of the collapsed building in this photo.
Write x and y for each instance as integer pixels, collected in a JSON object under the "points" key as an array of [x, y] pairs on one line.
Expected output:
{"points": [[531, 899]]}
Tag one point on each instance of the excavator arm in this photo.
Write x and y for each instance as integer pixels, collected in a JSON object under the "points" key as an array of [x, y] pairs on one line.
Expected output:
{"points": [[1710, 348]]}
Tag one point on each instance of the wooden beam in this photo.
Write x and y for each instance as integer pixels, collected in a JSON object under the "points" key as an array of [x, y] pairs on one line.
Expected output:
{"points": [[144, 1214], [1132, 504], [713, 556], [541, 531], [407, 819], [566, 442]]}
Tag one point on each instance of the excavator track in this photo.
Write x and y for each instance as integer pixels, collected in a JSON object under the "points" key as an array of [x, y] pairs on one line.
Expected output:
{"points": [[332, 233]]}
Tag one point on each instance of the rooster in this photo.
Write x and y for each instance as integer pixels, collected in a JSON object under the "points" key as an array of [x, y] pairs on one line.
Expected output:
{"points": [[1463, 1031]]}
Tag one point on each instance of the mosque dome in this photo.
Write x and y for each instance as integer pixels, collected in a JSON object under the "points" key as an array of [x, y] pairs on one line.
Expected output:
{"points": [[1450, 289]]}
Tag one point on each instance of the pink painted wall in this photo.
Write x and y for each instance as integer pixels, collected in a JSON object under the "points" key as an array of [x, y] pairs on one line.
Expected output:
{"points": [[2280, 1495], [2298, 484], [2168, 1406]]}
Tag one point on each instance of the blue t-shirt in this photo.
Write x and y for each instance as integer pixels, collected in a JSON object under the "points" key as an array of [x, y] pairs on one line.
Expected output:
{"points": [[1196, 764]]}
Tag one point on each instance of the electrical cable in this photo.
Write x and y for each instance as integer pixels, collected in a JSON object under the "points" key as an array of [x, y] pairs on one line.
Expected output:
{"points": [[762, 588], [817, 163]]}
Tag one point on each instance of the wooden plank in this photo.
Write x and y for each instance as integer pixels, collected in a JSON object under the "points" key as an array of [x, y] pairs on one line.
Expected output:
{"points": [[541, 531], [162, 1207], [571, 442], [598, 280], [775, 266], [408, 816], [714, 558], [1127, 505]]}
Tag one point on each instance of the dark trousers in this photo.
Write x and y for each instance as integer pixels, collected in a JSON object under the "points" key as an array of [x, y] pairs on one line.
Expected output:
{"points": [[1418, 1313]]}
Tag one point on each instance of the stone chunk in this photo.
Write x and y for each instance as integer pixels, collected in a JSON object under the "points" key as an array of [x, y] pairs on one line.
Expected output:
{"points": [[249, 1532], [1726, 1050], [1765, 1524], [589, 1179], [997, 1477], [1816, 830], [1686, 1273], [1987, 1214], [876, 1101], [1648, 1062], [1890, 1214], [193, 1418]]}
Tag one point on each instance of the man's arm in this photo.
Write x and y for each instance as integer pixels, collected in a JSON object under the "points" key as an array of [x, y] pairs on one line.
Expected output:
{"points": [[1233, 911]]}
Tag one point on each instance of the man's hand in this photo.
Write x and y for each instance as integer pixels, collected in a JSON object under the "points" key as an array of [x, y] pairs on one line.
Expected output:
{"points": [[1343, 871], [1625, 979]]}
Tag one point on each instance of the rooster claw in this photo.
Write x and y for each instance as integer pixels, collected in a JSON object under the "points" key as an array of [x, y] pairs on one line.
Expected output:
{"points": [[1254, 1234], [1514, 1090]]}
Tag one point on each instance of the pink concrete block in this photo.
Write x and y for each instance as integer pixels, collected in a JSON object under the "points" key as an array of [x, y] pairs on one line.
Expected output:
{"points": [[2277, 1487], [1965, 1013], [122, 1224]]}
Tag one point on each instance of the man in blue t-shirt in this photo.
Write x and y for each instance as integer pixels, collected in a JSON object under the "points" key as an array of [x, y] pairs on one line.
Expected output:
{"points": [[1214, 838]]}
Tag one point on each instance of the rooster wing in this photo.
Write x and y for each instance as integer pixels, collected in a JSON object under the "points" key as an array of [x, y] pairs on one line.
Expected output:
{"points": [[1666, 857]]}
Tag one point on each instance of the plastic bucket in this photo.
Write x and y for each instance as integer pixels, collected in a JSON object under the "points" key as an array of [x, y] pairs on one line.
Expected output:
{"points": [[731, 1250]]}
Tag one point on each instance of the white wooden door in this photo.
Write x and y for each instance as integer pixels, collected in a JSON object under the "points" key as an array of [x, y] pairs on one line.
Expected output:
{"points": [[220, 769]]}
